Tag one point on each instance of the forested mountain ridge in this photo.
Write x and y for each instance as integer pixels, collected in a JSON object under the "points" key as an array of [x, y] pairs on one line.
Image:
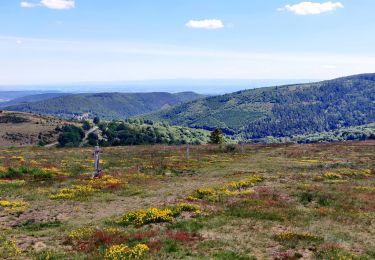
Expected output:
{"points": [[282, 110], [105, 105], [32, 98]]}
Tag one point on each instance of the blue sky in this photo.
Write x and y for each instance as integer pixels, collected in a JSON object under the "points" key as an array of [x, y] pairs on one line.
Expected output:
{"points": [[66, 41]]}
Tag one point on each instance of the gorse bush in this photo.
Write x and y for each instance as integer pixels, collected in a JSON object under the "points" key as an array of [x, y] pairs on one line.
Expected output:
{"points": [[79, 192], [142, 217], [185, 207], [80, 233], [292, 239], [243, 184], [75, 192], [12, 183], [105, 182], [9, 248], [13, 206], [233, 188], [122, 251]]}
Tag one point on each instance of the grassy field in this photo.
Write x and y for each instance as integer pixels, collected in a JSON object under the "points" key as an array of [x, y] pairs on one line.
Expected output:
{"points": [[255, 202]]}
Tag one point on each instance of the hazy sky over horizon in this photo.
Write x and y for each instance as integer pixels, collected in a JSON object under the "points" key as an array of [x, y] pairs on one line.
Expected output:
{"points": [[66, 41]]}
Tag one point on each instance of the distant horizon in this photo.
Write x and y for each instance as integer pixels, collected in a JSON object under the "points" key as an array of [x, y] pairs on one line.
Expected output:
{"points": [[201, 86]]}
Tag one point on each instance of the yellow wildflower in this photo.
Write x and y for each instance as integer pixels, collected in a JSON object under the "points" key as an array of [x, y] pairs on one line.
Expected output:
{"points": [[123, 252]]}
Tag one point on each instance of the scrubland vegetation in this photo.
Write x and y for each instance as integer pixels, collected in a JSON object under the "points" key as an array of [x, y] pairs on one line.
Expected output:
{"points": [[243, 202], [24, 129]]}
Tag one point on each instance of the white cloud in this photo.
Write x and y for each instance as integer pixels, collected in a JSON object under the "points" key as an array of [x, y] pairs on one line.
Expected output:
{"points": [[311, 8], [28, 5], [205, 24], [58, 4], [52, 4]]}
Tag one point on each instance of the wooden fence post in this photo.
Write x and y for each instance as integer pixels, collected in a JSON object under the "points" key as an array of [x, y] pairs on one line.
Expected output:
{"points": [[96, 162], [187, 152]]}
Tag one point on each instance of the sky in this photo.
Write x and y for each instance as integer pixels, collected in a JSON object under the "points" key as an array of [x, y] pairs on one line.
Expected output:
{"points": [[72, 41]]}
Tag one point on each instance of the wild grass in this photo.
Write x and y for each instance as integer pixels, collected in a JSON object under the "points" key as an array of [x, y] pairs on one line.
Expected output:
{"points": [[260, 202]]}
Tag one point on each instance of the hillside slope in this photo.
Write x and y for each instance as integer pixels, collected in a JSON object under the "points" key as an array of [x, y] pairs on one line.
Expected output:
{"points": [[32, 98], [282, 110], [11, 95], [105, 105], [24, 129]]}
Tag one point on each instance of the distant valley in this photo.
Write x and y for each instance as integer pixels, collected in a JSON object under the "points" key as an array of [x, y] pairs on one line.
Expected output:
{"points": [[339, 109], [103, 105]]}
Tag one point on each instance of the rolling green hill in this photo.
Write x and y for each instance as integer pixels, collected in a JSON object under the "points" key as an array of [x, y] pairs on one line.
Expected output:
{"points": [[31, 98], [105, 105], [281, 111]]}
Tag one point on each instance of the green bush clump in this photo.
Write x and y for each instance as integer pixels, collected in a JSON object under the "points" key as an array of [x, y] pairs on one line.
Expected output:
{"points": [[71, 136], [20, 172], [13, 119]]}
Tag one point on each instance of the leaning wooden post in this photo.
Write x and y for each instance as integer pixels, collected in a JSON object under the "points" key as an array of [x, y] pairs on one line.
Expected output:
{"points": [[242, 147], [187, 152], [96, 162]]}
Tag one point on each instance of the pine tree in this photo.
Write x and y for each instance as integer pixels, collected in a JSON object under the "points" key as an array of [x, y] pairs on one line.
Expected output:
{"points": [[217, 137]]}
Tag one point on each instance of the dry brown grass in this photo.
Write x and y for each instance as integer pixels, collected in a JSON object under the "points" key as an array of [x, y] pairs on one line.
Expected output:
{"points": [[27, 133]]}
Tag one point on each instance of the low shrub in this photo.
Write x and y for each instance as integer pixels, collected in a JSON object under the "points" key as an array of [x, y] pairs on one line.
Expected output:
{"points": [[12, 183], [233, 188], [13, 206], [25, 172], [306, 198], [347, 173], [12, 119], [242, 212], [336, 254], [292, 239], [75, 192], [122, 251], [192, 225], [79, 192], [142, 217], [31, 225], [9, 249]]}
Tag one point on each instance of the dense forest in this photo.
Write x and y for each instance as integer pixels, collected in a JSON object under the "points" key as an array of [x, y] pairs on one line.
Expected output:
{"points": [[130, 132], [71, 136], [354, 133], [31, 98], [135, 132], [282, 111], [105, 105]]}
